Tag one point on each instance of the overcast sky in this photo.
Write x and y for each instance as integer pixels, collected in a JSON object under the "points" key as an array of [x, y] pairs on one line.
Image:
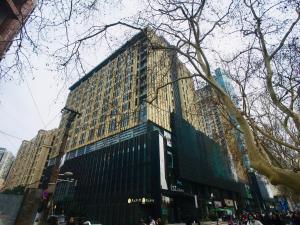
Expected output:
{"points": [[34, 103], [20, 116]]}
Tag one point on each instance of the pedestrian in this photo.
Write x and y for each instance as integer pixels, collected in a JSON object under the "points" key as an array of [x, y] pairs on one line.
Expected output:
{"points": [[296, 218], [230, 220], [244, 219], [158, 221], [253, 221], [71, 221], [151, 221]]}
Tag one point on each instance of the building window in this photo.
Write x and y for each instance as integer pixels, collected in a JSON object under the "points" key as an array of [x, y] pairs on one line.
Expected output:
{"points": [[125, 106], [115, 102], [91, 134], [74, 142], [126, 97], [117, 91], [82, 137], [112, 124], [104, 109], [143, 113], [101, 130], [124, 120], [143, 90], [114, 112], [102, 118], [94, 122]]}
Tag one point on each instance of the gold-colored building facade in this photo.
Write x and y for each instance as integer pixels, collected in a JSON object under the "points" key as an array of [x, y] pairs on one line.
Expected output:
{"points": [[30, 161], [133, 85]]}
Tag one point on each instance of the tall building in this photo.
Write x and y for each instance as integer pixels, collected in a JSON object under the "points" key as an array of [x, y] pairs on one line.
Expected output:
{"points": [[13, 15], [127, 89], [6, 160], [218, 126], [30, 161], [136, 150], [224, 128]]}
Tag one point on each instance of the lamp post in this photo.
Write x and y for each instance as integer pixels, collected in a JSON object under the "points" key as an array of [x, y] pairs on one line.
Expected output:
{"points": [[212, 197], [65, 178], [71, 115], [45, 201]]}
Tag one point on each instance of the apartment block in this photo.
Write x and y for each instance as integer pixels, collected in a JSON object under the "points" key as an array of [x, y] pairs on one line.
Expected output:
{"points": [[128, 88], [6, 160], [30, 161], [136, 149], [222, 127]]}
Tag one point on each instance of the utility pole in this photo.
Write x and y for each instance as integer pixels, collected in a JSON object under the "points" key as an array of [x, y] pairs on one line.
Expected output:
{"points": [[71, 115]]}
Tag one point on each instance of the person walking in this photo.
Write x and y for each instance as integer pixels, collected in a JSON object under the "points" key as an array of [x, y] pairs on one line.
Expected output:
{"points": [[151, 221], [71, 221], [253, 221], [158, 221], [296, 218]]}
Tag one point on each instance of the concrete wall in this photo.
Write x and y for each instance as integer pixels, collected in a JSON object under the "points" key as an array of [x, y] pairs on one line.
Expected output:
{"points": [[9, 208]]}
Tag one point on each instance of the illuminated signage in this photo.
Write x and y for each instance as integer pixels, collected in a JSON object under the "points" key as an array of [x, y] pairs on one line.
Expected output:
{"points": [[228, 202], [218, 204], [175, 188], [140, 200]]}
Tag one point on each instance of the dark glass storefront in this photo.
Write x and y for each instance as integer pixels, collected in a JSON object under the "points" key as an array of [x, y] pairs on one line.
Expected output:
{"points": [[153, 173], [115, 185]]}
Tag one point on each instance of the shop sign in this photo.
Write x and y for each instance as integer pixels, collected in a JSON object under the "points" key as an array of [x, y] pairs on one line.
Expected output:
{"points": [[175, 188], [140, 200], [218, 204], [228, 202]]}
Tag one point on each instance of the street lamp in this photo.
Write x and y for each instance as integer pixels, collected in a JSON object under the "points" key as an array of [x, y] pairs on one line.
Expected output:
{"points": [[65, 177], [66, 174]]}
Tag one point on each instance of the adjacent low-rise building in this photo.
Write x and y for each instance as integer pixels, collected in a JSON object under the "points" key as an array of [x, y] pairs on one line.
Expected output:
{"points": [[222, 127], [30, 161], [6, 160]]}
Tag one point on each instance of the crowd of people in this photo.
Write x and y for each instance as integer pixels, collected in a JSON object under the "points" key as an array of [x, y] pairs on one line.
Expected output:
{"points": [[245, 218], [150, 221], [272, 218]]}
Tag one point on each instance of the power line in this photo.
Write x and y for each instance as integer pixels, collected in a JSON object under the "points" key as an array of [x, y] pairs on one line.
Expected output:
{"points": [[50, 121], [13, 118], [10, 135], [11, 143], [35, 104]]}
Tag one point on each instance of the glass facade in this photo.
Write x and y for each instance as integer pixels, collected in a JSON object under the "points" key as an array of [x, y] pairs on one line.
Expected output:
{"points": [[146, 171], [118, 184]]}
